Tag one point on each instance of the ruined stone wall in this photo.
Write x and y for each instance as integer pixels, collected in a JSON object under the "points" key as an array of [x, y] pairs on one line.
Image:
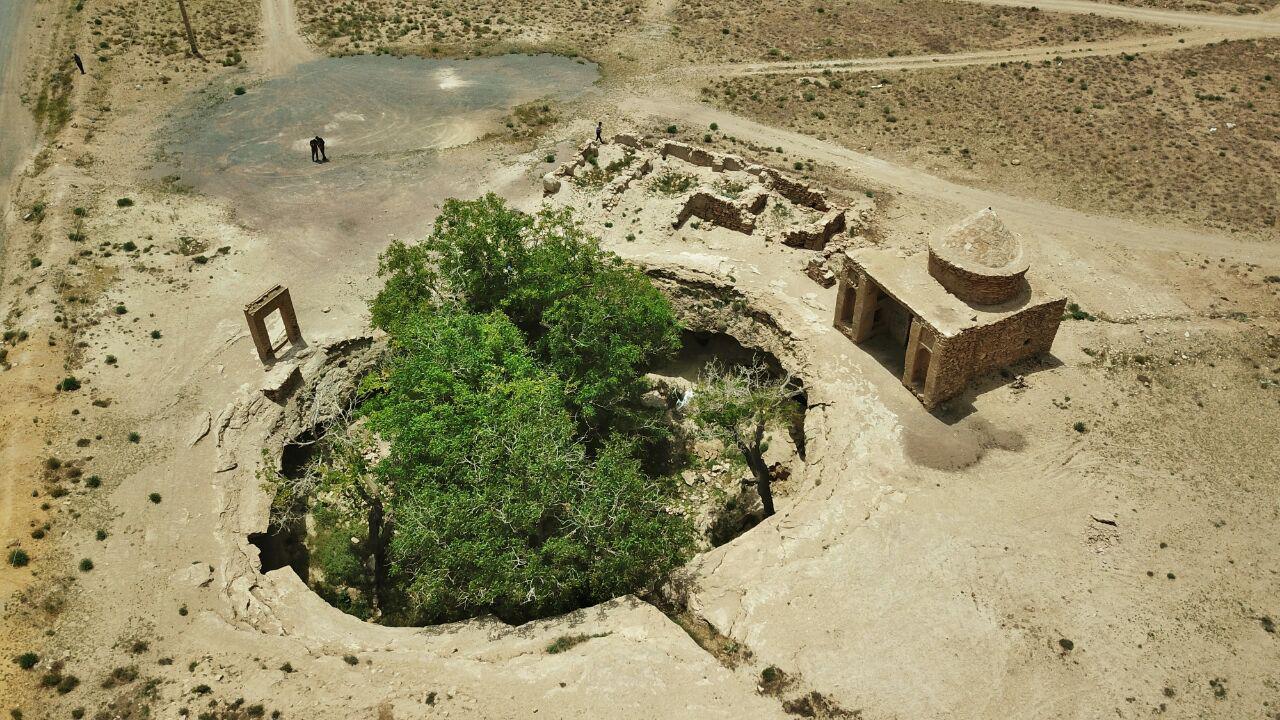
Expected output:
{"points": [[715, 209], [816, 235], [982, 349], [702, 158], [568, 169], [791, 189], [976, 287], [613, 191]]}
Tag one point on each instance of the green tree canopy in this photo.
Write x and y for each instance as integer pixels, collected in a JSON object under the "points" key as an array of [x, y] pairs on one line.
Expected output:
{"points": [[499, 506], [592, 319]]}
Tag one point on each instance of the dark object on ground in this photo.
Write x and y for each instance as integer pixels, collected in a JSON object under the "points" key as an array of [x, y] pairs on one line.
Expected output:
{"points": [[317, 144], [79, 62]]}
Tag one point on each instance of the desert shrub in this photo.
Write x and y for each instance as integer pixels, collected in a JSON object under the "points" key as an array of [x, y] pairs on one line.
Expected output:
{"points": [[568, 642], [671, 182], [67, 683], [19, 557]]}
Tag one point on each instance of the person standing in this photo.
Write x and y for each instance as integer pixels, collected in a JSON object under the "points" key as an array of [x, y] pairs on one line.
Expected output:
{"points": [[599, 131], [315, 149]]}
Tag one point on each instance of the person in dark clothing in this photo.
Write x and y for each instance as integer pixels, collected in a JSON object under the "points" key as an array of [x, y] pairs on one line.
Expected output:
{"points": [[315, 150], [79, 62], [319, 141], [599, 131]]}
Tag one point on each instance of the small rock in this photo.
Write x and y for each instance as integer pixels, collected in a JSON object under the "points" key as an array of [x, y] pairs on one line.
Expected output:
{"points": [[199, 428], [281, 381]]}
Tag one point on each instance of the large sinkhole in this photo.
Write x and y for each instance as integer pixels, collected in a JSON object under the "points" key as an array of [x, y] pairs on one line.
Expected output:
{"points": [[712, 490]]}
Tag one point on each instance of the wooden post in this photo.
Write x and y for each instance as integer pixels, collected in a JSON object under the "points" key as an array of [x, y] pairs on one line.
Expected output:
{"points": [[191, 36]]}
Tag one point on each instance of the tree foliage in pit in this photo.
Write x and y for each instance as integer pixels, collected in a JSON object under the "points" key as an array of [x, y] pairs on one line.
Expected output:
{"points": [[591, 318], [737, 405], [499, 506], [508, 398]]}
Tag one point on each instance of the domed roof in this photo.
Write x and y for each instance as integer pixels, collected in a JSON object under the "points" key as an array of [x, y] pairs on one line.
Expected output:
{"points": [[980, 242], [979, 260]]}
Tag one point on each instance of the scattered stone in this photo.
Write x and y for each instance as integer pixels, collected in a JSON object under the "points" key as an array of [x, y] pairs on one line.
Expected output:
{"points": [[199, 428], [280, 382]]}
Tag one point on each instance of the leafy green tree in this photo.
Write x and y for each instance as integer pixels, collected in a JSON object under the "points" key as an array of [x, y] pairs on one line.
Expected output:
{"points": [[737, 405], [342, 482], [487, 256], [499, 507], [600, 338], [594, 320]]}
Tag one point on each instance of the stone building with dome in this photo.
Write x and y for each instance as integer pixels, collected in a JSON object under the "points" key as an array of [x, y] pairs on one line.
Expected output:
{"points": [[970, 309]]}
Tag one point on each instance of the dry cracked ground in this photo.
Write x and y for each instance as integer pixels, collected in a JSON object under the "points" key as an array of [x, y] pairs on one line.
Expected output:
{"points": [[1094, 539]]}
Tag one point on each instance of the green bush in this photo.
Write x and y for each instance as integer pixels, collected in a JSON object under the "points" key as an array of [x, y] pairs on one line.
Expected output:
{"points": [[27, 660], [124, 202], [69, 384]]}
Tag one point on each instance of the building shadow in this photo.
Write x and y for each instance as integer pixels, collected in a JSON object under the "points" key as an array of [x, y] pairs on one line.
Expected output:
{"points": [[962, 406]]}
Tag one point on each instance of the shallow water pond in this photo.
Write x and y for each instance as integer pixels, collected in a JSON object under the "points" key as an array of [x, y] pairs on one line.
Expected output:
{"points": [[385, 121]]}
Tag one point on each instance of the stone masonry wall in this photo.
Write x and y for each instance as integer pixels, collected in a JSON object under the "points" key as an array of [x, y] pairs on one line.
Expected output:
{"points": [[985, 348], [815, 235], [977, 288], [791, 189], [715, 209]]}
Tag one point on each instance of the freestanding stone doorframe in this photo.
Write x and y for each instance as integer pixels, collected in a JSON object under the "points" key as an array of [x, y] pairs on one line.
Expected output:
{"points": [[256, 314]]}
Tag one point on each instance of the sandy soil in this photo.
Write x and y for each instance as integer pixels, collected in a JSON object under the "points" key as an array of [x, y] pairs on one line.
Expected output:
{"points": [[743, 31], [985, 561], [1085, 132]]}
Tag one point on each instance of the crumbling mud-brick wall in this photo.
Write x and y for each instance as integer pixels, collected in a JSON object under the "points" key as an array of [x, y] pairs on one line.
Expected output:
{"points": [[616, 187], [585, 152], [791, 188], [815, 235], [717, 210], [718, 162], [985, 348]]}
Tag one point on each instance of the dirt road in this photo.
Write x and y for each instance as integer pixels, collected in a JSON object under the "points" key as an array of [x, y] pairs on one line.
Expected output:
{"points": [[282, 44], [1263, 24], [1134, 45]]}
